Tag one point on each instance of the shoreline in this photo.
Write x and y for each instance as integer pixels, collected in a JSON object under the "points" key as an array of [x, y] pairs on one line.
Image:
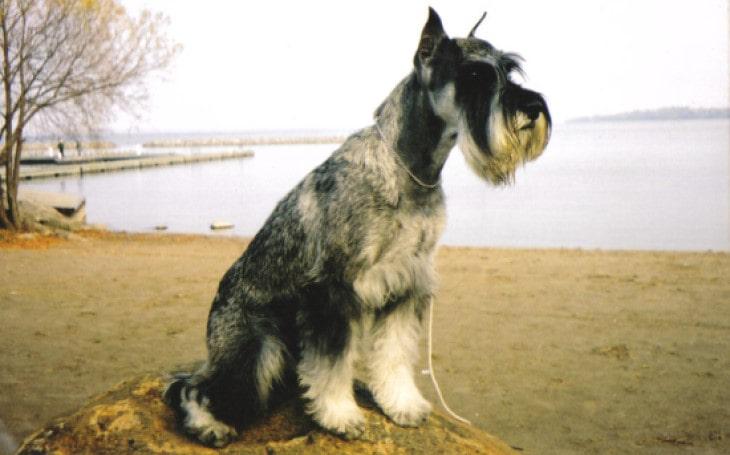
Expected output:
{"points": [[100, 230], [552, 350]]}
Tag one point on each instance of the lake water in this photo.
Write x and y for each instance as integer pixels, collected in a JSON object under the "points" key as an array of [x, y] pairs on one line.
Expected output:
{"points": [[623, 185]]}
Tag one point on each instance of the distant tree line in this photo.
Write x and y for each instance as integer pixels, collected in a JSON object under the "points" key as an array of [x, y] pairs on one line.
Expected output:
{"points": [[667, 113]]}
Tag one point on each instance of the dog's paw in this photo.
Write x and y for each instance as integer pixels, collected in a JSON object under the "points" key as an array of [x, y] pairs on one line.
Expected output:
{"points": [[401, 401], [352, 431], [201, 424], [216, 434], [412, 414], [346, 421]]}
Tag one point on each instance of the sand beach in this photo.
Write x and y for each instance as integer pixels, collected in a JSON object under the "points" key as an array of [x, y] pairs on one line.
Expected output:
{"points": [[554, 351]]}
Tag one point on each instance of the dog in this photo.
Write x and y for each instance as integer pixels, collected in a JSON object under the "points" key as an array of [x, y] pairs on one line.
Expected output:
{"points": [[343, 268]]}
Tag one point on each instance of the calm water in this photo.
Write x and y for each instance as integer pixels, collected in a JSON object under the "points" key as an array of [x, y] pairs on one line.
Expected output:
{"points": [[641, 185]]}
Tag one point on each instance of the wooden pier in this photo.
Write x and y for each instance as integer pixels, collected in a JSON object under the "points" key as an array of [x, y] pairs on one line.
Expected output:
{"points": [[90, 166]]}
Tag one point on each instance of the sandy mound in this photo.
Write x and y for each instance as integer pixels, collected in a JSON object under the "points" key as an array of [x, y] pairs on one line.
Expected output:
{"points": [[131, 418]]}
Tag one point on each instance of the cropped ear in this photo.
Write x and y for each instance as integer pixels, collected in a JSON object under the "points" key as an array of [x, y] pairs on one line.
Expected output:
{"points": [[432, 34]]}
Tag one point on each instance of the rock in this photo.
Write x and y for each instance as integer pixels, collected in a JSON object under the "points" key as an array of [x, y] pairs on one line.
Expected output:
{"points": [[131, 418], [70, 206], [37, 216], [40, 218]]}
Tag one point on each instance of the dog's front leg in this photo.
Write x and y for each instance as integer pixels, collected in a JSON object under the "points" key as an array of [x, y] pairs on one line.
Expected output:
{"points": [[326, 371], [393, 352]]}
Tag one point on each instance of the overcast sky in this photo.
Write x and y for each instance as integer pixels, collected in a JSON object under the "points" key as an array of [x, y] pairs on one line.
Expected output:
{"points": [[328, 64]]}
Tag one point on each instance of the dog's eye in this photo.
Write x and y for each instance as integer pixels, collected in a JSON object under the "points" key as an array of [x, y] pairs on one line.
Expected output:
{"points": [[477, 72], [477, 75]]}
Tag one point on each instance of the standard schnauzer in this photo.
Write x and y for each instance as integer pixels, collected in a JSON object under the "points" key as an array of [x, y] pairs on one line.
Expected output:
{"points": [[343, 268]]}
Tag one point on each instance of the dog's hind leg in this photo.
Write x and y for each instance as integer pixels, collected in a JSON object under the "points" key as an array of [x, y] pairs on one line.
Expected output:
{"points": [[391, 357], [245, 361], [189, 399]]}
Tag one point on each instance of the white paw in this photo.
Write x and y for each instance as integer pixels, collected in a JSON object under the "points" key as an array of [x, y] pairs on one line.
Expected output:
{"points": [[344, 419], [399, 398], [201, 424], [410, 414], [351, 430], [216, 434]]}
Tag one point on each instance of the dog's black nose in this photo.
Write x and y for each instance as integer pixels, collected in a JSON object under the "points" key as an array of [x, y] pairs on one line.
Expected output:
{"points": [[532, 109]]}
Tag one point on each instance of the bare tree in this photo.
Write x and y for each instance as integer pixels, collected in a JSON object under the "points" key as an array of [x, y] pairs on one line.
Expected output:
{"points": [[67, 64]]}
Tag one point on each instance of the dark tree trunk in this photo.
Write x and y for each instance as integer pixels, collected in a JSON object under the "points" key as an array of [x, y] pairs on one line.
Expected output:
{"points": [[4, 220], [12, 184]]}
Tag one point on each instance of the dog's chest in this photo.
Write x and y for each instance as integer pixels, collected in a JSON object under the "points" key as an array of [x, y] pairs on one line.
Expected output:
{"points": [[397, 258]]}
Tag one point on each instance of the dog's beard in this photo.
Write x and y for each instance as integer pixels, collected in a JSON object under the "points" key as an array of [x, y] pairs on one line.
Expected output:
{"points": [[510, 141]]}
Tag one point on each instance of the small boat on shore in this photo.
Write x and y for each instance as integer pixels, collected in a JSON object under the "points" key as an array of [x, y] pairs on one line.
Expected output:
{"points": [[219, 225]]}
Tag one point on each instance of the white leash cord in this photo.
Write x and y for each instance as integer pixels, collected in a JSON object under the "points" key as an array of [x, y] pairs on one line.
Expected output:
{"points": [[430, 372]]}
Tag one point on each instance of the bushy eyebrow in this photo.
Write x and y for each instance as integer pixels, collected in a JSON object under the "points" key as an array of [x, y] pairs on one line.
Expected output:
{"points": [[503, 63], [509, 62]]}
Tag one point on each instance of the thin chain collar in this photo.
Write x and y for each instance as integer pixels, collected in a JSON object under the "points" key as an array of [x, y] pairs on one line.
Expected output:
{"points": [[430, 186]]}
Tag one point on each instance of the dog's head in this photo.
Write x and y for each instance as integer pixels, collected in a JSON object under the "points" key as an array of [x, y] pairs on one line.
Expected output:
{"points": [[500, 124]]}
